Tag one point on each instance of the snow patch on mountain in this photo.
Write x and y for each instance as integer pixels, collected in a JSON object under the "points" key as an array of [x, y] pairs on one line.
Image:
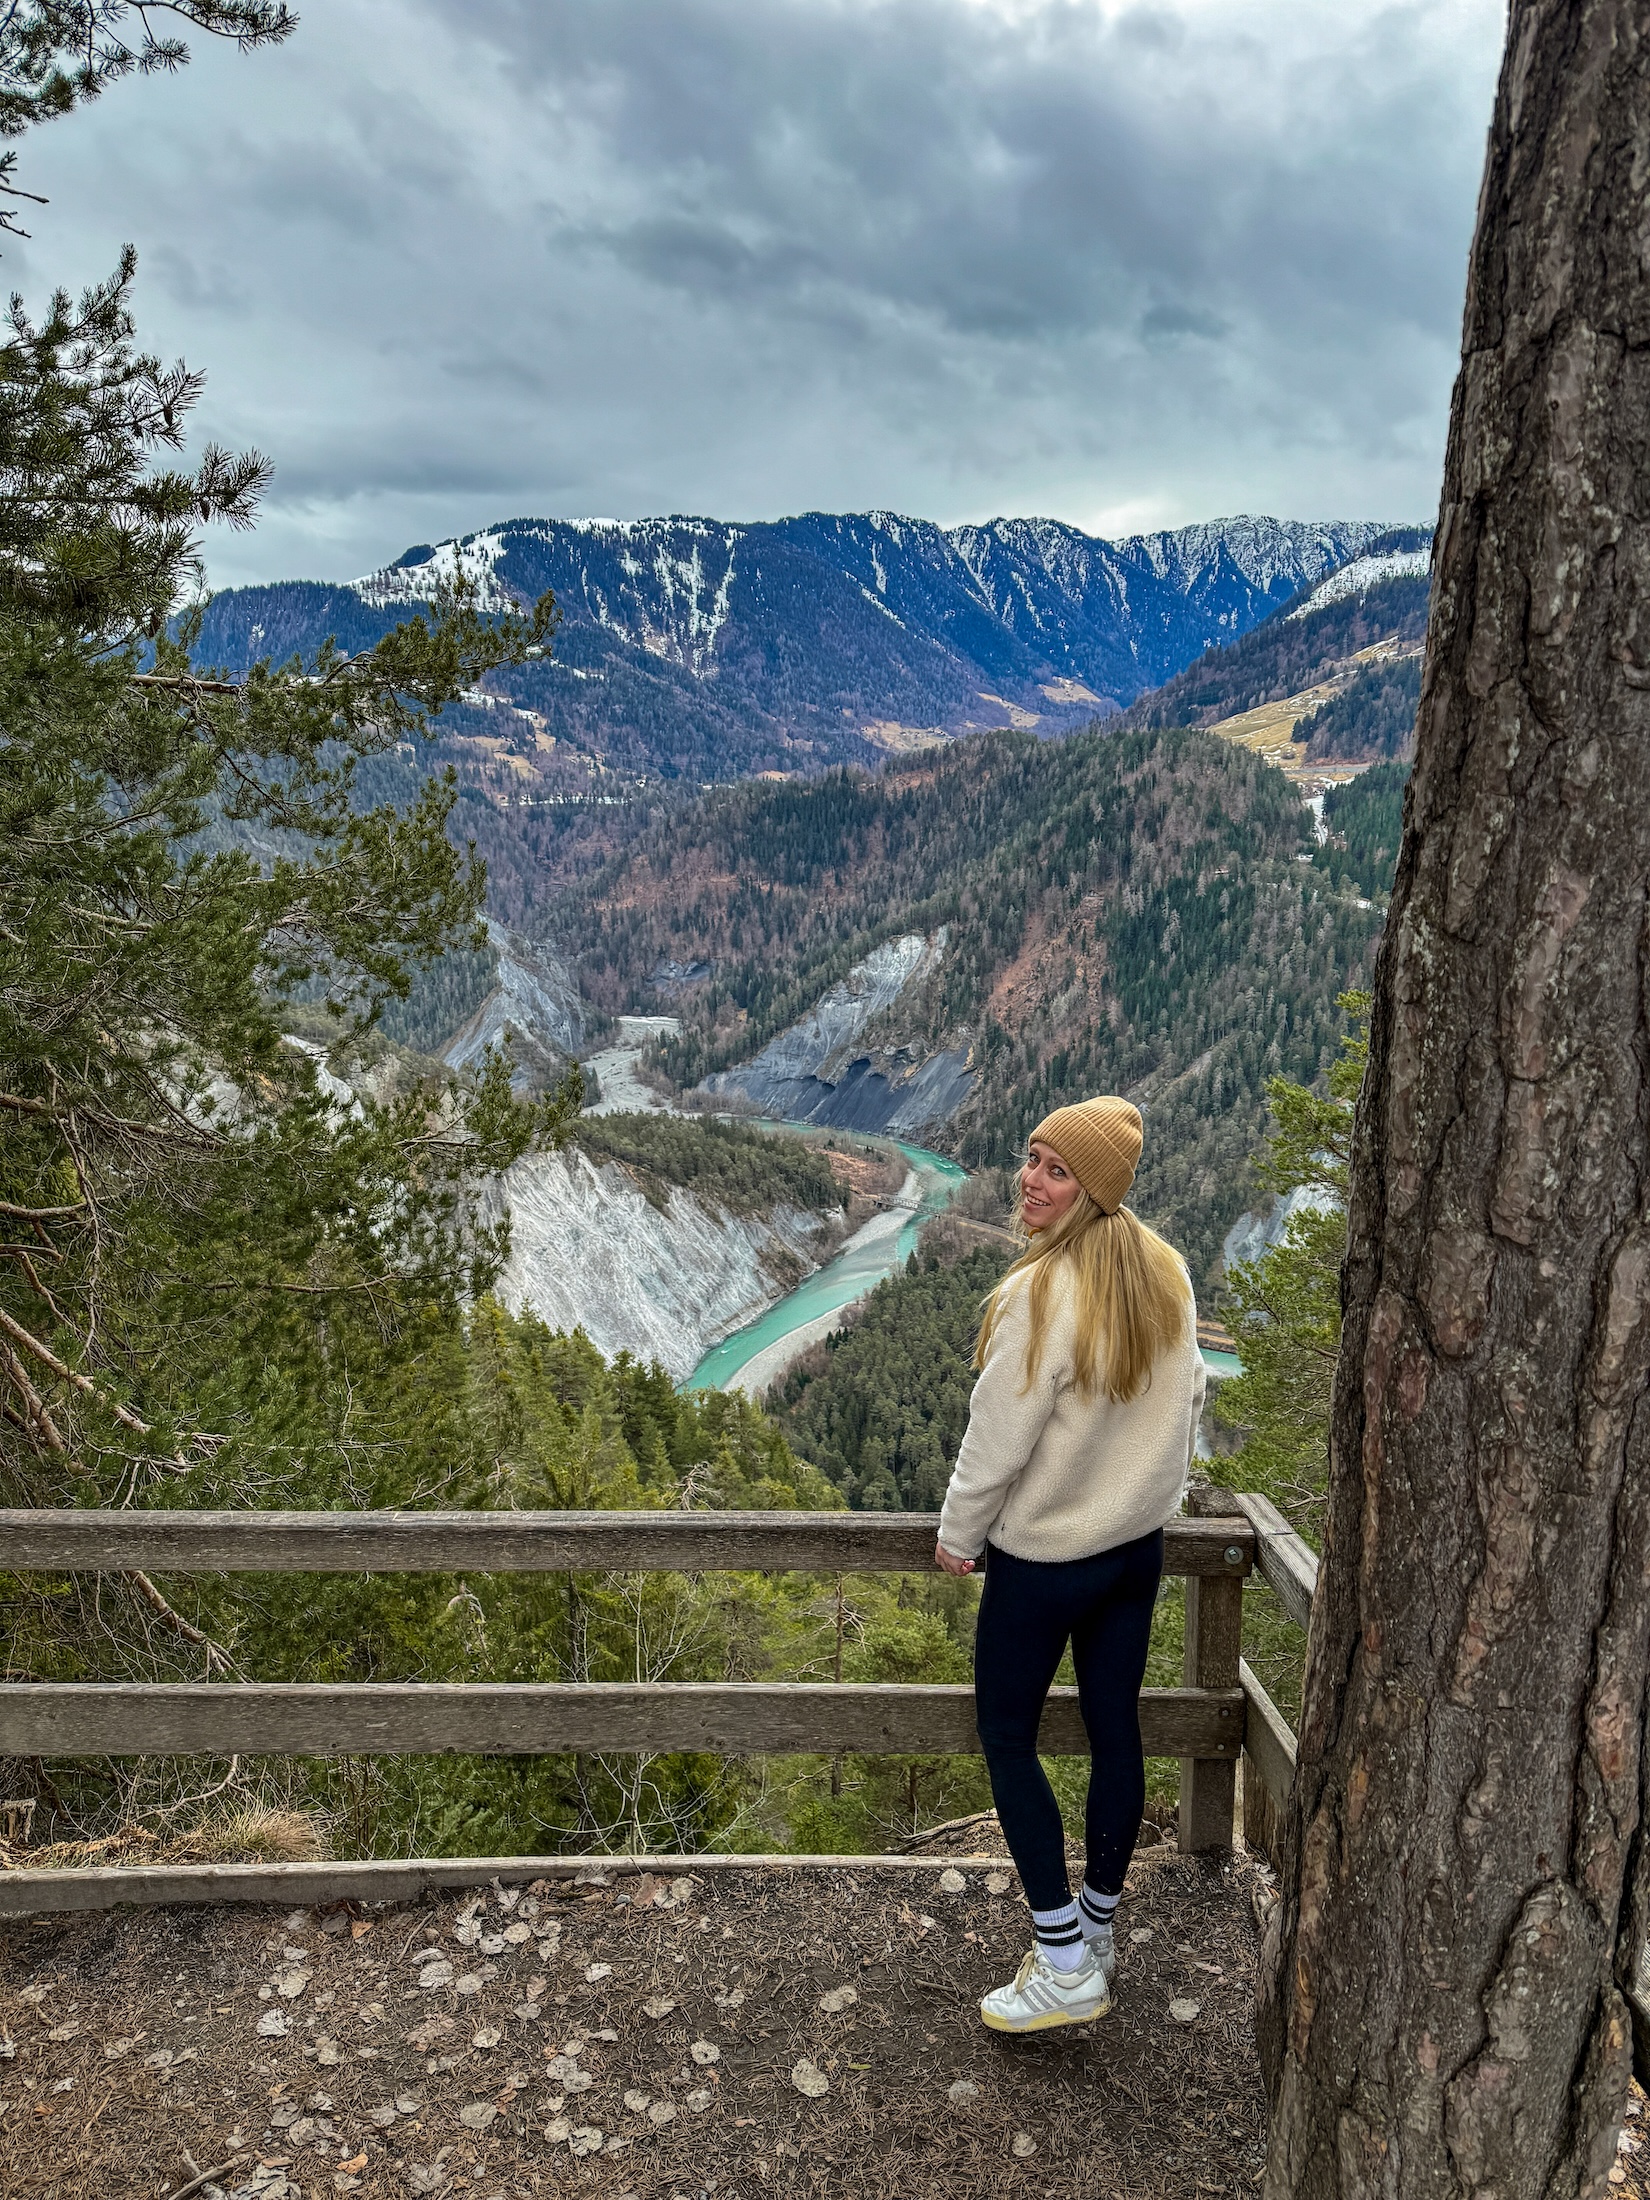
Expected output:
{"points": [[472, 559], [1362, 573], [1264, 551]]}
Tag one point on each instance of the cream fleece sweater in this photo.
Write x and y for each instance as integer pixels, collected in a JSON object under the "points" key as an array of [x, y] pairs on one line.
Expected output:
{"points": [[1046, 1473]]}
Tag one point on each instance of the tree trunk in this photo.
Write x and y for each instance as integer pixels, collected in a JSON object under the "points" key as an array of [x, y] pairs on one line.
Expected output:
{"points": [[1464, 1877]]}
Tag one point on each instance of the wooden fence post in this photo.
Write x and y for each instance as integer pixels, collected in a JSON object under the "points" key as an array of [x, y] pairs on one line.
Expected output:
{"points": [[1214, 1639], [1208, 1785]]}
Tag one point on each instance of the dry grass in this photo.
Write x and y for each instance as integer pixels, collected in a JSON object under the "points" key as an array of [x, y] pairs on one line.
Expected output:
{"points": [[250, 1835], [1268, 730]]}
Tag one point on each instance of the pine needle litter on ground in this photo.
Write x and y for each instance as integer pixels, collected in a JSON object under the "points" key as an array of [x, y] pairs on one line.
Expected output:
{"points": [[708, 2036]]}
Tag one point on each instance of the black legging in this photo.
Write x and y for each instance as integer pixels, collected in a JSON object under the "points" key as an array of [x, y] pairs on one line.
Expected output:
{"points": [[1029, 1610]]}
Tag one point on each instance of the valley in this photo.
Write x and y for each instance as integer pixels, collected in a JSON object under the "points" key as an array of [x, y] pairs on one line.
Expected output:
{"points": [[662, 1278], [754, 1358], [935, 950], [722, 1282], [949, 948]]}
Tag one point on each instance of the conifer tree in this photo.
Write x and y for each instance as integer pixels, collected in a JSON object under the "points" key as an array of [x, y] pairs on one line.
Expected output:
{"points": [[1452, 1977], [184, 857]]}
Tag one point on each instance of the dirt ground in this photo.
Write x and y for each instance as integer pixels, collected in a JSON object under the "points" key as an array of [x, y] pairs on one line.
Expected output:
{"points": [[715, 2036]]}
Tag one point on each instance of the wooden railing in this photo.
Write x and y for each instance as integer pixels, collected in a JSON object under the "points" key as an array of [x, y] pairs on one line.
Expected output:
{"points": [[1221, 1714], [1203, 1723], [1287, 1564]]}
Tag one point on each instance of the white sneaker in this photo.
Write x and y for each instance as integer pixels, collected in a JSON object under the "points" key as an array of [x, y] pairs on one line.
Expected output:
{"points": [[1042, 1996]]}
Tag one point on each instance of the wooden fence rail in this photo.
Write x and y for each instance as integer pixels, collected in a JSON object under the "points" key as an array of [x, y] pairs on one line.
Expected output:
{"points": [[523, 1718], [69, 1540], [1202, 1723], [1288, 1565]]}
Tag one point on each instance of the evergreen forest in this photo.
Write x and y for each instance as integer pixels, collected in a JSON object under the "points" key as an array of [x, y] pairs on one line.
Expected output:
{"points": [[1137, 912], [1374, 716], [1363, 824], [728, 1165], [880, 1407]]}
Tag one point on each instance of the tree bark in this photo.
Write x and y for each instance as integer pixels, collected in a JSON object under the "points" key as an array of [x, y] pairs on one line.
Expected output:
{"points": [[1465, 1877]]}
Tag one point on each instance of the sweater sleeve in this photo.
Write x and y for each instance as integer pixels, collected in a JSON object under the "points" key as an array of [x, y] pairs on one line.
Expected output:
{"points": [[1200, 1390], [1004, 1423]]}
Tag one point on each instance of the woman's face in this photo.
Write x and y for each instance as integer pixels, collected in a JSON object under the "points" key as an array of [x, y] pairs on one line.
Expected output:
{"points": [[1047, 1188]]}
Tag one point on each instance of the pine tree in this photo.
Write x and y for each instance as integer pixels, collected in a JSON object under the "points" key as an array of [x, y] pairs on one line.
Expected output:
{"points": [[1452, 1978], [185, 1193]]}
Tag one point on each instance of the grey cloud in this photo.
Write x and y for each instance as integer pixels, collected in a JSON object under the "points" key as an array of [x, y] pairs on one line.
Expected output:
{"points": [[451, 259], [1168, 324]]}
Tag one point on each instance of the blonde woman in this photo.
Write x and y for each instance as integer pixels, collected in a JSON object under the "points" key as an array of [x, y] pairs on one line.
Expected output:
{"points": [[1080, 1432]]}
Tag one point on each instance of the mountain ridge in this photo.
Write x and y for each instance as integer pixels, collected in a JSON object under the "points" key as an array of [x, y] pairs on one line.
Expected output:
{"points": [[700, 649]]}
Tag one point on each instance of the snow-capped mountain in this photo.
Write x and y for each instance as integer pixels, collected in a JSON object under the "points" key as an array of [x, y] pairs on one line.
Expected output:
{"points": [[707, 649], [1362, 574]]}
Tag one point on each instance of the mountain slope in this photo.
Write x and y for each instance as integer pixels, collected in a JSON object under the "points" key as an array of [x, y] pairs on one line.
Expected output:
{"points": [[1332, 678], [1026, 922], [703, 650]]}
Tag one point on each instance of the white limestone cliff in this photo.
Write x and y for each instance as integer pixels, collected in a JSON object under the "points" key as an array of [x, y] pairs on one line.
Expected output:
{"points": [[588, 1251]]}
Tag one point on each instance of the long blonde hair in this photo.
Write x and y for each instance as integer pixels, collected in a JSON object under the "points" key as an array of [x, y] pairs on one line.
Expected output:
{"points": [[1132, 1293]]}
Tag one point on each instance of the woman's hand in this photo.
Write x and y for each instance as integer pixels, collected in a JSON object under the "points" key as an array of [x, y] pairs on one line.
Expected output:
{"points": [[950, 1563]]}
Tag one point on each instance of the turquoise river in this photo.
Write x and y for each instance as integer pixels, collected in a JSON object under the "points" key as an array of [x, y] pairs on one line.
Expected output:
{"points": [[874, 1252], [860, 1266]]}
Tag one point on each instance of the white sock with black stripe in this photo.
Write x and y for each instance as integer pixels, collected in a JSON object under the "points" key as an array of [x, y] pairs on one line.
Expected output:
{"points": [[1096, 1911], [1060, 1936]]}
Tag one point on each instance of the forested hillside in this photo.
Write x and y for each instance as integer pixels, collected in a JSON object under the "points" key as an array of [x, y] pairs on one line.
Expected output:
{"points": [[1363, 824], [725, 1164], [1136, 913], [1372, 717], [1290, 651], [881, 1406]]}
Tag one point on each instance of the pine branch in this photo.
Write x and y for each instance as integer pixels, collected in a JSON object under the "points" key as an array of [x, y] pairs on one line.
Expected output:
{"points": [[35, 1406], [83, 1383], [217, 1658]]}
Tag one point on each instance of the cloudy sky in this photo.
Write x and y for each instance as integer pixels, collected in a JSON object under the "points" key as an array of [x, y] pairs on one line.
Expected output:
{"points": [[1131, 265]]}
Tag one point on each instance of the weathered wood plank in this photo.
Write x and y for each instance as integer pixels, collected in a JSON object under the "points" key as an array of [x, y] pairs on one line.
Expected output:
{"points": [[71, 1540], [1286, 1561], [1208, 1786], [121, 1719], [1268, 1742], [1262, 1820], [106, 1887]]}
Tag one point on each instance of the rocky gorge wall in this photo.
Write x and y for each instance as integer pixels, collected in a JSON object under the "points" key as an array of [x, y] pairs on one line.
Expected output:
{"points": [[589, 1251], [816, 1072]]}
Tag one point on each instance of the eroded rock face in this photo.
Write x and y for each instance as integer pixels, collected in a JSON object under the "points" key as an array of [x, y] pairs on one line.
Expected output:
{"points": [[589, 1252], [535, 1006], [816, 1071]]}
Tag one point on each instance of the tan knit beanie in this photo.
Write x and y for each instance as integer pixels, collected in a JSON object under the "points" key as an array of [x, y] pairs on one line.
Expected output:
{"points": [[1099, 1141]]}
